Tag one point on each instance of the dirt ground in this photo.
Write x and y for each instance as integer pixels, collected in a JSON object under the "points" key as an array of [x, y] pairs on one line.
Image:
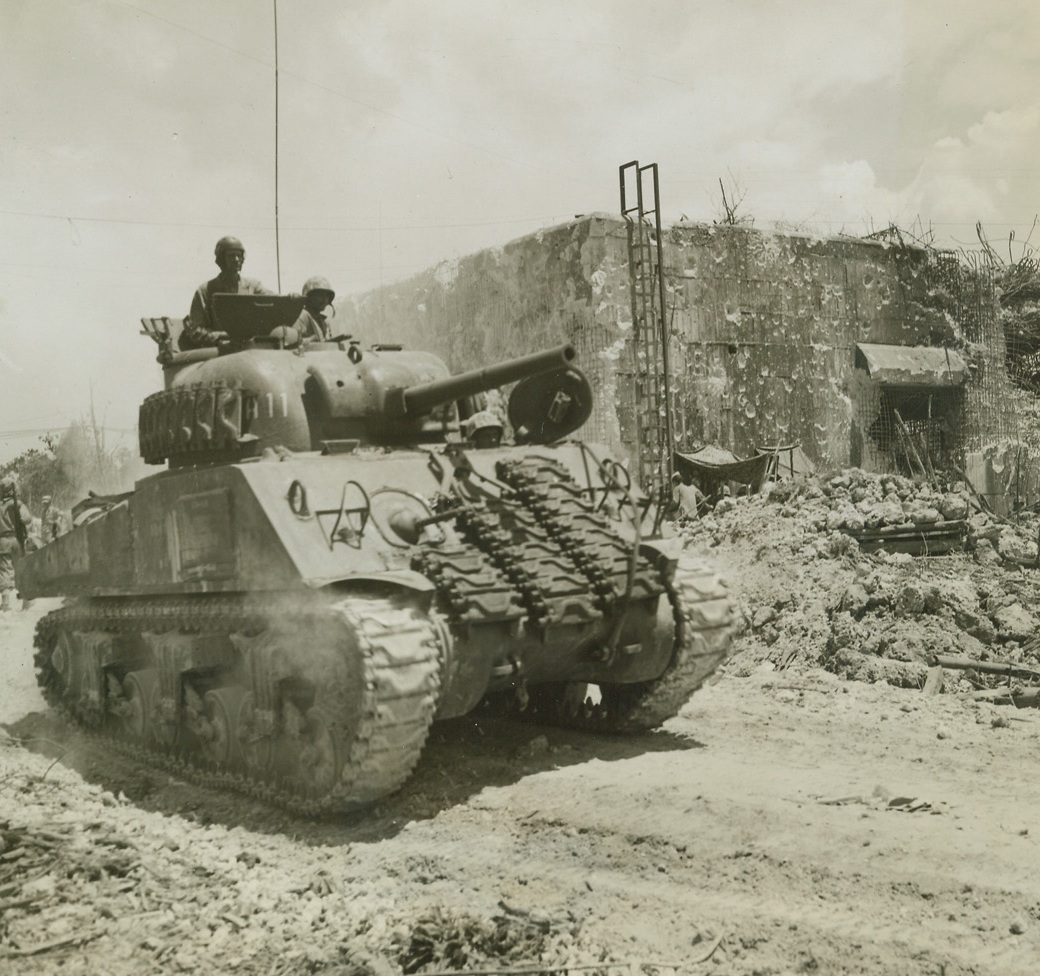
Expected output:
{"points": [[788, 820]]}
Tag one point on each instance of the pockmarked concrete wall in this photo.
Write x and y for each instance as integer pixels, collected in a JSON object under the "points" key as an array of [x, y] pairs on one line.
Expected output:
{"points": [[763, 326], [565, 284]]}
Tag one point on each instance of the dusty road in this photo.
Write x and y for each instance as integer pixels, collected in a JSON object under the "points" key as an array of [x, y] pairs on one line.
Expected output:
{"points": [[784, 822]]}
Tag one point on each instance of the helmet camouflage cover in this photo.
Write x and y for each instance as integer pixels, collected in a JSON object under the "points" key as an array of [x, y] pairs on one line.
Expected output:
{"points": [[318, 284]]}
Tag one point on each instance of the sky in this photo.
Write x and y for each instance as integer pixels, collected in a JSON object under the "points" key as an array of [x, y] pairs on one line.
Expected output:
{"points": [[390, 135]]}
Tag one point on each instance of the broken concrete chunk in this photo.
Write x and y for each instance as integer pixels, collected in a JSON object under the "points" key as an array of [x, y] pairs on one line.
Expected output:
{"points": [[954, 506], [986, 555], [917, 597], [854, 600], [924, 515], [1014, 548], [1015, 622], [763, 616]]}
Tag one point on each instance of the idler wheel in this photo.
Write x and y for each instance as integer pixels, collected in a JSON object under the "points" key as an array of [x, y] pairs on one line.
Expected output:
{"points": [[138, 689], [221, 708]]}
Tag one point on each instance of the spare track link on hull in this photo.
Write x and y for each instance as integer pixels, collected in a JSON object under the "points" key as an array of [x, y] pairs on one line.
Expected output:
{"points": [[601, 554], [703, 634], [391, 651], [556, 558], [472, 589]]}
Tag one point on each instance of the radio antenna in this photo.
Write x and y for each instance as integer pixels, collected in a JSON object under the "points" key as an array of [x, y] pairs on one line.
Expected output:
{"points": [[277, 242]]}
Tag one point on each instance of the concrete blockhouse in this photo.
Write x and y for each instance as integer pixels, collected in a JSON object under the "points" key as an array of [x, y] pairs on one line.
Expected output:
{"points": [[847, 351]]}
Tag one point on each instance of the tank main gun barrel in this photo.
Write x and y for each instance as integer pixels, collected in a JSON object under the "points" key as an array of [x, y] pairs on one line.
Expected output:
{"points": [[422, 398]]}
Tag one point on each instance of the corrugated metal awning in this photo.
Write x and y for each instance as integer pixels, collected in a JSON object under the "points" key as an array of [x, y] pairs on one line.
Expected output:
{"points": [[912, 365]]}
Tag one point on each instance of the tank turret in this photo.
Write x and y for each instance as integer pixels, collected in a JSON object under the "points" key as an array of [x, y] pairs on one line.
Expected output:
{"points": [[334, 559], [233, 401]]}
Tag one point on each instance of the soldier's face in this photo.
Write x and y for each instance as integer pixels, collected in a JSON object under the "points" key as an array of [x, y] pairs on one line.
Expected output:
{"points": [[233, 260]]}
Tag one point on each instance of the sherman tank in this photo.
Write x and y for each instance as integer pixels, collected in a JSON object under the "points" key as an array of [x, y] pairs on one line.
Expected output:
{"points": [[342, 549]]}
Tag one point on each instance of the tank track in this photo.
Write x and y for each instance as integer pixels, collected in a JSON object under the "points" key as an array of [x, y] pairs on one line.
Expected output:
{"points": [[703, 618], [399, 657]]}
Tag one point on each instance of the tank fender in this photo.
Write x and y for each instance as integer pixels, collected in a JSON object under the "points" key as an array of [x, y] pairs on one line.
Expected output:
{"points": [[663, 554], [404, 578]]}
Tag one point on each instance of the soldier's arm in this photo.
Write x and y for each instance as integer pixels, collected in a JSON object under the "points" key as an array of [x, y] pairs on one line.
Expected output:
{"points": [[197, 332], [255, 288], [200, 315]]}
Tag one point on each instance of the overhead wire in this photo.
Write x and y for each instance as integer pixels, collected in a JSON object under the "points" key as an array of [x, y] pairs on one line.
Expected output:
{"points": [[277, 236]]}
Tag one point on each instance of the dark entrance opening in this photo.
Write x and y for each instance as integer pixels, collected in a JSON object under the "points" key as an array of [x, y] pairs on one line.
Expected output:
{"points": [[920, 428]]}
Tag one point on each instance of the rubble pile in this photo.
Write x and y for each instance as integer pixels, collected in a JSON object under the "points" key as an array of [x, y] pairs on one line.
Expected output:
{"points": [[810, 595]]}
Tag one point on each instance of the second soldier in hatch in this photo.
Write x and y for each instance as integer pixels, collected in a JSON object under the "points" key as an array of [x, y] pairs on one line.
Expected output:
{"points": [[317, 296], [200, 328]]}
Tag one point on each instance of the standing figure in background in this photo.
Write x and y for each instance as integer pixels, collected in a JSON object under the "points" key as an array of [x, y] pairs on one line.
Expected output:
{"points": [[51, 521], [687, 500], [15, 519], [200, 328]]}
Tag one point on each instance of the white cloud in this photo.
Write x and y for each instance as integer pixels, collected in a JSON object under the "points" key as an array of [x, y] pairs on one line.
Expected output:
{"points": [[987, 174]]}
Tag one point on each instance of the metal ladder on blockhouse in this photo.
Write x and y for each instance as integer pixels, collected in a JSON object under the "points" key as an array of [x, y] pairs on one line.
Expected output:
{"points": [[642, 217]]}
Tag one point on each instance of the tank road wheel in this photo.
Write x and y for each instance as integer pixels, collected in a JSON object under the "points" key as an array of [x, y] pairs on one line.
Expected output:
{"points": [[319, 761], [254, 747], [56, 661], [162, 713], [138, 689], [220, 709]]}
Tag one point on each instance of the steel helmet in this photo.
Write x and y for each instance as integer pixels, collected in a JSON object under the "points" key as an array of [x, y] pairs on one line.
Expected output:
{"points": [[6, 486], [482, 420], [226, 244], [318, 284]]}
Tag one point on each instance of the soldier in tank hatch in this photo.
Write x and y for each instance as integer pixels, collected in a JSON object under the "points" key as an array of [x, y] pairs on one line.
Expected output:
{"points": [[199, 327], [311, 324], [317, 296]]}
